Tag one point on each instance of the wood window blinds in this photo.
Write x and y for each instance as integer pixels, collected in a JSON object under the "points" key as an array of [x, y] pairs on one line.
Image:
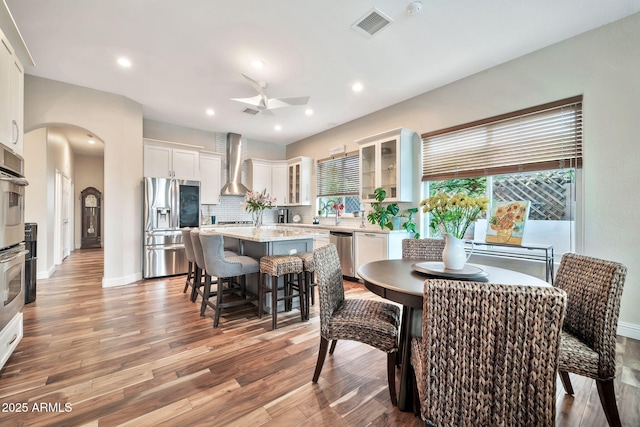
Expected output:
{"points": [[339, 176], [545, 137]]}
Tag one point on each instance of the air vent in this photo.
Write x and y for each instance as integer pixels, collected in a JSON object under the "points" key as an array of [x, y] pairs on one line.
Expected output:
{"points": [[251, 111], [372, 22]]}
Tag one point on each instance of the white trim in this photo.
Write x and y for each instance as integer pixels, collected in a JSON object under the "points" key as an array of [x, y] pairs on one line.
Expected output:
{"points": [[120, 281], [46, 274], [629, 330]]}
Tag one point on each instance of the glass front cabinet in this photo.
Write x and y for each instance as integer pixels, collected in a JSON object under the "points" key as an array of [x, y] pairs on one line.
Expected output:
{"points": [[299, 181], [387, 161]]}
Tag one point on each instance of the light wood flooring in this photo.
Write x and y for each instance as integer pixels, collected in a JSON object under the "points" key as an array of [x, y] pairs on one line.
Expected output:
{"points": [[141, 355]]}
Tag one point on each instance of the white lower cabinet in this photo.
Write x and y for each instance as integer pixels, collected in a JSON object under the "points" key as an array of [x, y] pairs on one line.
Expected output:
{"points": [[371, 246], [9, 338]]}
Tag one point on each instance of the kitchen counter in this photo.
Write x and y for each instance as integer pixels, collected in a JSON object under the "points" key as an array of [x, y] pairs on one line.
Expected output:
{"points": [[346, 227], [267, 233]]}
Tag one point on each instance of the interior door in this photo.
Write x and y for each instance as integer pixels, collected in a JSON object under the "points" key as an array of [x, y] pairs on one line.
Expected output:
{"points": [[66, 225]]}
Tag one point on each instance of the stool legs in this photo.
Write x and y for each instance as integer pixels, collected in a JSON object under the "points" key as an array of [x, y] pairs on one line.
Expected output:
{"points": [[189, 281], [287, 298]]}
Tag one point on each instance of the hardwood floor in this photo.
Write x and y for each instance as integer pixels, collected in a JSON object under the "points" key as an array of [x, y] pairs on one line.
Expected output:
{"points": [[142, 355]]}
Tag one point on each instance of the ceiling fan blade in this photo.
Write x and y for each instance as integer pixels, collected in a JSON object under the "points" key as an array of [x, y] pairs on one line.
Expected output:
{"points": [[286, 102], [256, 85], [256, 101]]}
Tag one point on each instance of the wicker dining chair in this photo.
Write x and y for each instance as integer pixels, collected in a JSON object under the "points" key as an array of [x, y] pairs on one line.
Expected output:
{"points": [[488, 354], [371, 322], [423, 249], [594, 288]]}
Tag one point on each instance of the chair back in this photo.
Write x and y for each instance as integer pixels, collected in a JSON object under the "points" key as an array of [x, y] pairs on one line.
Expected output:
{"points": [[594, 288], [188, 245], [197, 248], [489, 353], [330, 285], [214, 259], [424, 249]]}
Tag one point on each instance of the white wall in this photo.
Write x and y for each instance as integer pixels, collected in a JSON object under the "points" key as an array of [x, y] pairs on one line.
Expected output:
{"points": [[117, 121], [602, 65], [36, 201], [89, 172]]}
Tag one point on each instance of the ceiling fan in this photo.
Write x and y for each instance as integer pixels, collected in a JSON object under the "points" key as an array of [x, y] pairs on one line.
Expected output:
{"points": [[263, 103]]}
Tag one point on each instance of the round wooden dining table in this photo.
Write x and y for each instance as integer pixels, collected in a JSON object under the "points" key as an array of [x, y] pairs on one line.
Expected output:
{"points": [[397, 280]]}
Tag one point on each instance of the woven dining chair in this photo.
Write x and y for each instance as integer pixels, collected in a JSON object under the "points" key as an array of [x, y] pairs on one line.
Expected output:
{"points": [[423, 249], [370, 322], [488, 354], [594, 287]]}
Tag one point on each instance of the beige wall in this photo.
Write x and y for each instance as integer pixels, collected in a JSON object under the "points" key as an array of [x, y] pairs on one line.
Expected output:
{"points": [[602, 65], [89, 172], [209, 141], [117, 121]]}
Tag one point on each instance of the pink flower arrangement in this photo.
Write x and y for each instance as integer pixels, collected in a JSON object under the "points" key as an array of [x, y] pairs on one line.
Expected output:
{"points": [[338, 208], [256, 202]]}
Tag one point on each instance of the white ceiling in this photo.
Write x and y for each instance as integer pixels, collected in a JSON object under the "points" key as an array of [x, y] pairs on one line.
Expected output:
{"points": [[188, 55]]}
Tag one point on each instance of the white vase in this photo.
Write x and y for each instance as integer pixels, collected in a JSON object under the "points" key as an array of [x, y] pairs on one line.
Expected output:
{"points": [[453, 256]]}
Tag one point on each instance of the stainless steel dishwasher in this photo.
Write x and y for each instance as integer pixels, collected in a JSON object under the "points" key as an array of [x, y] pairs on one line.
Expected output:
{"points": [[344, 244]]}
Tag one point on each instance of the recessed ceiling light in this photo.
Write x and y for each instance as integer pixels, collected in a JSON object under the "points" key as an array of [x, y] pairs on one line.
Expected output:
{"points": [[308, 112], [91, 141], [257, 63], [357, 87], [210, 112], [124, 62], [278, 127]]}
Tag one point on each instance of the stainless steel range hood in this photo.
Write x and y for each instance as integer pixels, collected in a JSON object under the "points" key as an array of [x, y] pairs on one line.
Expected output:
{"points": [[234, 187]]}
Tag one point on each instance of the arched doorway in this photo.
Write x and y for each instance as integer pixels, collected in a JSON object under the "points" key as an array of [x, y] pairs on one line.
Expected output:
{"points": [[60, 160]]}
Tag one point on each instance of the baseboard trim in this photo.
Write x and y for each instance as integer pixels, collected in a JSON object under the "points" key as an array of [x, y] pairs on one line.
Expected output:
{"points": [[121, 281], [629, 330], [42, 275]]}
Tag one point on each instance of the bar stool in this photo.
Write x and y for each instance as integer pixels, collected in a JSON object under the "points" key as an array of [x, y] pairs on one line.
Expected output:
{"points": [[276, 266], [308, 269], [188, 249], [200, 275], [225, 268]]}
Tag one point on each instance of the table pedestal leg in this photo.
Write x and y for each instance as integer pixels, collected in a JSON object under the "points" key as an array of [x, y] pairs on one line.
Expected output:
{"points": [[405, 395]]}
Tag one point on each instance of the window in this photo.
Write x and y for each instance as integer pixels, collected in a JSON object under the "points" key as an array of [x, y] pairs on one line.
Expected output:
{"points": [[338, 182], [540, 138], [533, 154]]}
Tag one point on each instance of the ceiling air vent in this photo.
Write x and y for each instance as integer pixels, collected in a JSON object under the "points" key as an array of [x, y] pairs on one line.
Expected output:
{"points": [[251, 111], [372, 22]]}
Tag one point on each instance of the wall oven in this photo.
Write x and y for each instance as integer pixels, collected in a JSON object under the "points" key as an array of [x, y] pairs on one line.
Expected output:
{"points": [[11, 282], [12, 248]]}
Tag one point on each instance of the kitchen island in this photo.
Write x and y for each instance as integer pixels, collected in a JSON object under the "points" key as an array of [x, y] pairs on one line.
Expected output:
{"points": [[268, 240]]}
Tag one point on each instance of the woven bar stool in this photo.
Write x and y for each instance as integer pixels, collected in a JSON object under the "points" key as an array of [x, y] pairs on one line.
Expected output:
{"points": [[308, 269], [276, 266]]}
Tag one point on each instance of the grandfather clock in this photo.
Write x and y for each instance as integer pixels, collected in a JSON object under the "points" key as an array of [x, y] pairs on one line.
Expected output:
{"points": [[91, 198]]}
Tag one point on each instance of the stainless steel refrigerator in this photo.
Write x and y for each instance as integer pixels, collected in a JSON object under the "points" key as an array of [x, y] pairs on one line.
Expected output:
{"points": [[169, 205]]}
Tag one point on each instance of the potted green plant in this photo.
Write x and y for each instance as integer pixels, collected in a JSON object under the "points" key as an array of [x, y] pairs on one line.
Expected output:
{"points": [[384, 215]]}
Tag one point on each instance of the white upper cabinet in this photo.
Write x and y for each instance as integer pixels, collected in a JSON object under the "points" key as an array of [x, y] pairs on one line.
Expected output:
{"points": [[167, 162], [269, 175], [386, 160], [210, 178], [299, 181], [11, 97], [279, 183]]}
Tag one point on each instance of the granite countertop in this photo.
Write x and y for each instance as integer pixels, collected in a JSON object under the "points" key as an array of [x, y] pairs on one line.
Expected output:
{"points": [[346, 227], [265, 233]]}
